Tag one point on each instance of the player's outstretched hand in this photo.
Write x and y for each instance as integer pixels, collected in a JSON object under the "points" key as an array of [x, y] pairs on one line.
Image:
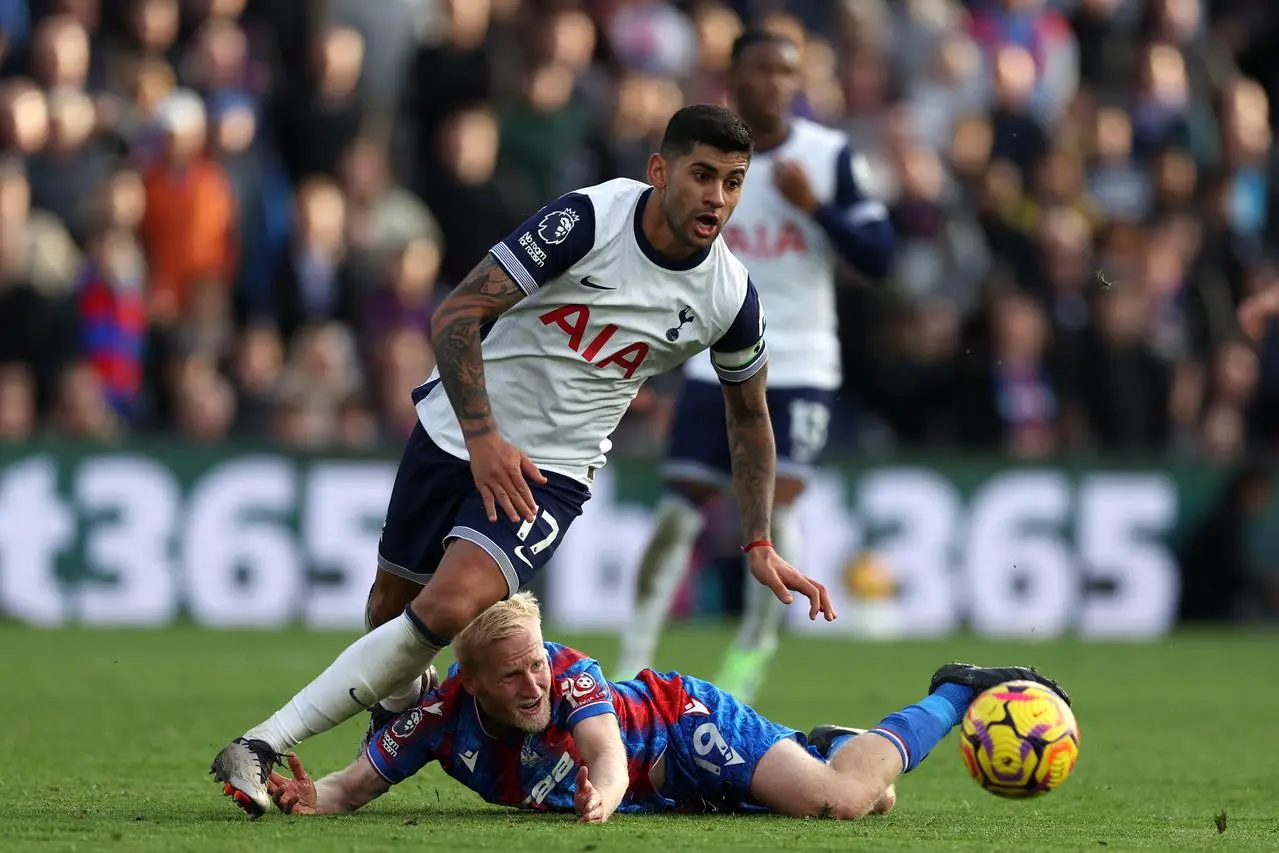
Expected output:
{"points": [[587, 802], [296, 795], [772, 571], [502, 472]]}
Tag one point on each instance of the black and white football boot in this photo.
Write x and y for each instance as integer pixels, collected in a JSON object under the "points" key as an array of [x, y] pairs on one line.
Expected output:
{"points": [[243, 767]]}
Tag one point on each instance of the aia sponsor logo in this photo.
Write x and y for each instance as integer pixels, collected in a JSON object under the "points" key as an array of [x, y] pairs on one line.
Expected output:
{"points": [[600, 349], [765, 239]]}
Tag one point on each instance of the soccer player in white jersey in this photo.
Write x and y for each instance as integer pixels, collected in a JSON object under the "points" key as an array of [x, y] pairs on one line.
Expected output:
{"points": [[540, 351], [803, 208]]}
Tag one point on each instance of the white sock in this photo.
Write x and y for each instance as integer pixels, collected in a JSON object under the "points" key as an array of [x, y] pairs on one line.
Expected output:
{"points": [[763, 613], [663, 566], [408, 695], [403, 699], [379, 663]]}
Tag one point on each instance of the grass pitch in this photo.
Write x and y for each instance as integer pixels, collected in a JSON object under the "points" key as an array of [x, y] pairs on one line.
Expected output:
{"points": [[105, 737]]}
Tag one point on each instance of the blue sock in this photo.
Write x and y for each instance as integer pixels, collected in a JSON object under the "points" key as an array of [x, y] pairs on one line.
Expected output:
{"points": [[917, 728]]}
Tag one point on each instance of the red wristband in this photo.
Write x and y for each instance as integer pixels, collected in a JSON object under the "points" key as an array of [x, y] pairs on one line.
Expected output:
{"points": [[758, 543]]}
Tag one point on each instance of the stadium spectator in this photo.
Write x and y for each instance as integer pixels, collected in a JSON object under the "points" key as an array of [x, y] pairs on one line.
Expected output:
{"points": [[1043, 36], [320, 116], [37, 246], [449, 72], [68, 174], [112, 308], [204, 404], [60, 54], [253, 169], [256, 366], [25, 117], [17, 403], [408, 298], [81, 409], [402, 360], [382, 216], [1010, 399], [477, 206], [188, 227], [315, 279], [154, 26]]}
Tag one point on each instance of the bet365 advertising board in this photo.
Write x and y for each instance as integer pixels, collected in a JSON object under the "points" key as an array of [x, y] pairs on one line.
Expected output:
{"points": [[226, 538]]}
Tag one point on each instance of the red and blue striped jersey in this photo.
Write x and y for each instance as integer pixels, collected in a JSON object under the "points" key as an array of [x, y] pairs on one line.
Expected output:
{"points": [[536, 771]]}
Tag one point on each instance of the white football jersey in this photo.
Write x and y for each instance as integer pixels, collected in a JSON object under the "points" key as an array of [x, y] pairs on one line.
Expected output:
{"points": [[792, 259], [604, 311]]}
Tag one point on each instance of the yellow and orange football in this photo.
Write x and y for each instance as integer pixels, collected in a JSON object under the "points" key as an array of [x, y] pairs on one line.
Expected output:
{"points": [[1019, 739]]}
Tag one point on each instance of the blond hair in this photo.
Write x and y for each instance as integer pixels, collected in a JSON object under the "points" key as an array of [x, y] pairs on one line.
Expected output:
{"points": [[502, 620]]}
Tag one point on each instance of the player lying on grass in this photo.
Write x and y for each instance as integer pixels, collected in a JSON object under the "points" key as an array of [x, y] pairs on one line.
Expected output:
{"points": [[523, 722]]}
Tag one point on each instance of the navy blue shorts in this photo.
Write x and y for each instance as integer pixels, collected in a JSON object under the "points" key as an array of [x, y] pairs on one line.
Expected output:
{"points": [[434, 500], [698, 448]]}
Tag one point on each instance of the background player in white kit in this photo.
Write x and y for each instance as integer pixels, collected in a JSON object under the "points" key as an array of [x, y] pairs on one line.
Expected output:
{"points": [[540, 351], [802, 209]]}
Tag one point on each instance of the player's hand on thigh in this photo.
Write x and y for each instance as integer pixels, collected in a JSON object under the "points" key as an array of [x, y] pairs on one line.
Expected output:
{"points": [[772, 571], [296, 795], [502, 473]]}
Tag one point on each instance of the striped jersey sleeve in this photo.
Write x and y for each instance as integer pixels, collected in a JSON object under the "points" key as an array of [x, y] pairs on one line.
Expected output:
{"points": [[741, 352], [548, 243]]}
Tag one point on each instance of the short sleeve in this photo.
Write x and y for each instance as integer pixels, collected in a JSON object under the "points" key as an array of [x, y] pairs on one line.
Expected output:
{"points": [[741, 352], [409, 742], [548, 242], [583, 692]]}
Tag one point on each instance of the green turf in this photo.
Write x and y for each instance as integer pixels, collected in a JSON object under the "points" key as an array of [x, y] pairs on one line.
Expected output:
{"points": [[106, 736]]}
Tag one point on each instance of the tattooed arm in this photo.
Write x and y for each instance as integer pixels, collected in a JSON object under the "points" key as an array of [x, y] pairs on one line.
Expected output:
{"points": [[543, 247], [754, 455], [540, 250], [740, 358], [501, 470], [750, 440], [482, 296]]}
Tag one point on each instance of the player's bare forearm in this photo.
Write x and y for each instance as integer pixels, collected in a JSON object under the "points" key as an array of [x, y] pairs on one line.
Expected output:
{"points": [[599, 742], [331, 796], [350, 788], [753, 453], [610, 769], [484, 294]]}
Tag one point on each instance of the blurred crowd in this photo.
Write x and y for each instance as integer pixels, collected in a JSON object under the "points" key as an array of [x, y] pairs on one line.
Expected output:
{"points": [[234, 218]]}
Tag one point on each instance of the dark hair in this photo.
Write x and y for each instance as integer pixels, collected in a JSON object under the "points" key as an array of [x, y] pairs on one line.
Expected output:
{"points": [[706, 124], [754, 36]]}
